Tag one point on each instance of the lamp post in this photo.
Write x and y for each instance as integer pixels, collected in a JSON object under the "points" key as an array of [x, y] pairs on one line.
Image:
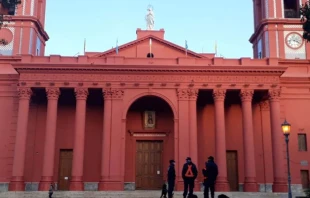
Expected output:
{"points": [[286, 128]]}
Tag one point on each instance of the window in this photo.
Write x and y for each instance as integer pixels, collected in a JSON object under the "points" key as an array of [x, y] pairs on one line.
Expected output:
{"points": [[150, 55], [302, 142], [291, 8]]}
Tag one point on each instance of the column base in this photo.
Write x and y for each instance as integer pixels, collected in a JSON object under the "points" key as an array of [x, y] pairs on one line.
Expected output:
{"points": [[45, 183], [279, 187], [76, 184], [179, 186], [250, 187], [17, 184], [222, 185], [111, 186]]}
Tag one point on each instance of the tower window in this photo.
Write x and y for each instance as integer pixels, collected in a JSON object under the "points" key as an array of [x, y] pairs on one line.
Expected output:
{"points": [[150, 55], [291, 8]]}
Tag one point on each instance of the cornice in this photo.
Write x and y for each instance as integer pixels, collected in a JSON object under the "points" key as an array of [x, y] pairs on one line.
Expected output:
{"points": [[271, 70], [33, 20], [272, 21]]}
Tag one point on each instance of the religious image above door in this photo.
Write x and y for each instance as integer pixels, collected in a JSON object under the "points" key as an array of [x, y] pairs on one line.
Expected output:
{"points": [[149, 168]]}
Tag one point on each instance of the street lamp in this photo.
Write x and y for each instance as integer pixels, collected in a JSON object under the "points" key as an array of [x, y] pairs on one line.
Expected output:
{"points": [[286, 129]]}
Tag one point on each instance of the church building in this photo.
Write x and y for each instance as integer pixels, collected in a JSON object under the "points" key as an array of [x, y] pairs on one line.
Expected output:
{"points": [[113, 120]]}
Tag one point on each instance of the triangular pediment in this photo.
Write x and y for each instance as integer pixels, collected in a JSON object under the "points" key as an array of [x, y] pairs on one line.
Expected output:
{"points": [[140, 48]]}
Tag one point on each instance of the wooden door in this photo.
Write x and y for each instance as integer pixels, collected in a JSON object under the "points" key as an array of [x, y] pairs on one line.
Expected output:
{"points": [[304, 174], [232, 170], [65, 168], [149, 172]]}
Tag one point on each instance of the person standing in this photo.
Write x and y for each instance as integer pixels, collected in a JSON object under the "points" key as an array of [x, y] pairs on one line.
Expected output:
{"points": [[171, 178], [189, 174], [50, 191], [210, 173]]}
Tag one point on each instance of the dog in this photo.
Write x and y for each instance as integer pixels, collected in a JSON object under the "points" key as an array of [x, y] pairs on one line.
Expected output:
{"points": [[192, 196], [164, 191], [222, 196]]}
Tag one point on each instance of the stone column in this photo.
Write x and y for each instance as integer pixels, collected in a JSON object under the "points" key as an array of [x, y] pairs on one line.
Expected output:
{"points": [[106, 140], [280, 183], [17, 181], [193, 139], [112, 171], [76, 183], [220, 140], [50, 137], [250, 184], [183, 143]]}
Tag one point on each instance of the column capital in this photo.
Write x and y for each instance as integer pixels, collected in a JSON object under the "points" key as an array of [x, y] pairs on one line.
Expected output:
{"points": [[52, 93], [264, 105], [274, 94], [219, 94], [113, 93], [187, 94], [246, 94], [81, 93], [24, 93]]}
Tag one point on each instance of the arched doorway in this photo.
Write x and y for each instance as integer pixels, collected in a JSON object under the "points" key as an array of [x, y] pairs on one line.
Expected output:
{"points": [[149, 143]]}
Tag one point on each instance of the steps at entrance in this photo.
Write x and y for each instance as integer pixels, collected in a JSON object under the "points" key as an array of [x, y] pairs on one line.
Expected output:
{"points": [[130, 194]]}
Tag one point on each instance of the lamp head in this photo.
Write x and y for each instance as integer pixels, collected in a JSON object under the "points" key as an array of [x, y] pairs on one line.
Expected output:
{"points": [[286, 127]]}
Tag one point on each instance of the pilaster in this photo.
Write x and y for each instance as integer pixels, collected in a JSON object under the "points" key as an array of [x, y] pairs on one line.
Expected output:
{"points": [[17, 181], [280, 184]]}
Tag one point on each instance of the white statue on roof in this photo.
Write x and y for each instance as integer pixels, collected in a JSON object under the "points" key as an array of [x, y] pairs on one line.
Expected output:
{"points": [[150, 18]]}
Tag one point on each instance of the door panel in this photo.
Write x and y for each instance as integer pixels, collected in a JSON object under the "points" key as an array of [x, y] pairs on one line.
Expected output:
{"points": [[232, 170], [149, 172], [304, 174], [65, 168]]}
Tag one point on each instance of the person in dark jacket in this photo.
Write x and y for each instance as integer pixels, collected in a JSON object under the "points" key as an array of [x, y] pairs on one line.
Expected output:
{"points": [[189, 174], [171, 178], [210, 173]]}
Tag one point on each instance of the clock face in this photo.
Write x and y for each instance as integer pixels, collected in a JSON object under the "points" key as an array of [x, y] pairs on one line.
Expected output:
{"points": [[294, 40]]}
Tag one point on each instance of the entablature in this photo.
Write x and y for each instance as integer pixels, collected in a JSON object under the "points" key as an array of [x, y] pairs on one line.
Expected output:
{"points": [[150, 81]]}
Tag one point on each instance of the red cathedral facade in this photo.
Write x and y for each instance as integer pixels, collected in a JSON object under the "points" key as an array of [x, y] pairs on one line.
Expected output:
{"points": [[112, 121]]}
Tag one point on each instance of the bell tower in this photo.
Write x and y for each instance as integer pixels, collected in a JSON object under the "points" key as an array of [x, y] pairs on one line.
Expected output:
{"points": [[278, 30], [24, 30]]}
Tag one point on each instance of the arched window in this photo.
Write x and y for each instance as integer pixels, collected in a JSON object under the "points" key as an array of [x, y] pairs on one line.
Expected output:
{"points": [[150, 55]]}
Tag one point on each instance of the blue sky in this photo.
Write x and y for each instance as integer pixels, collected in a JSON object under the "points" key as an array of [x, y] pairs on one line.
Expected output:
{"points": [[101, 22]]}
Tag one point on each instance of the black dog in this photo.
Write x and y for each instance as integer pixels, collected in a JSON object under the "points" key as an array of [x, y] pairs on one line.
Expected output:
{"points": [[222, 196], [193, 196], [164, 191]]}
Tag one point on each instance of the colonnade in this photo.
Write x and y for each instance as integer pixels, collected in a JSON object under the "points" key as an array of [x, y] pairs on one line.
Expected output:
{"points": [[187, 121]]}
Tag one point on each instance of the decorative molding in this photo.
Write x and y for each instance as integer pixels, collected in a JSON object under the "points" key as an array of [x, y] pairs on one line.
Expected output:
{"points": [[246, 95], [264, 105], [113, 93], [151, 133], [184, 94], [219, 94], [149, 78], [81, 93], [24, 93], [52, 93], [274, 94]]}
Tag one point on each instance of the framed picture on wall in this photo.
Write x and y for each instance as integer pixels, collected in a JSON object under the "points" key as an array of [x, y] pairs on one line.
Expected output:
{"points": [[149, 119]]}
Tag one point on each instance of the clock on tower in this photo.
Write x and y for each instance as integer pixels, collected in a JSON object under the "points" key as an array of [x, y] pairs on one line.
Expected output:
{"points": [[277, 30], [24, 32]]}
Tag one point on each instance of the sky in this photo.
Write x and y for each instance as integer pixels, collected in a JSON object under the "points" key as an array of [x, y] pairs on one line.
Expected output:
{"points": [[102, 22]]}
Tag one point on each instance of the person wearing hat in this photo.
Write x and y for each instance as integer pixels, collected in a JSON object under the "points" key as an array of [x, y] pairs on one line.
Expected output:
{"points": [[189, 174], [171, 178], [210, 173]]}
